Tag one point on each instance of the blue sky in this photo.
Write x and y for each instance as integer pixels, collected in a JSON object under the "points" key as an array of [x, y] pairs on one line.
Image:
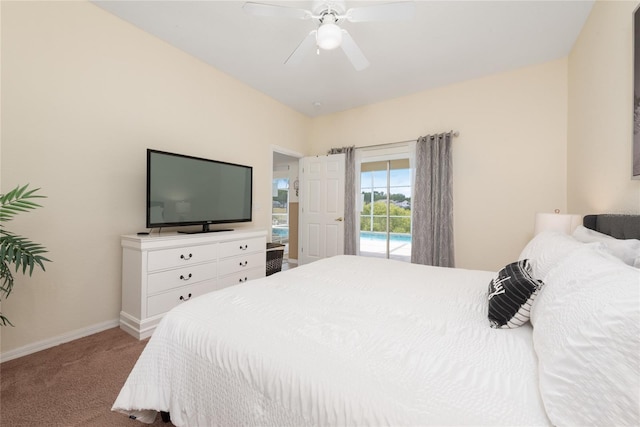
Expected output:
{"points": [[399, 178], [283, 183]]}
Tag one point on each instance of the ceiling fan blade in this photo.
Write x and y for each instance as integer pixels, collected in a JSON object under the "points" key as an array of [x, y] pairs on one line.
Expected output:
{"points": [[305, 45], [399, 11], [353, 52], [262, 9]]}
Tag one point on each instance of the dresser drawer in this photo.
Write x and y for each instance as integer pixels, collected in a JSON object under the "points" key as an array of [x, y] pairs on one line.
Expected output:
{"points": [[241, 277], [242, 263], [243, 246], [178, 257], [161, 303], [169, 279], [160, 268]]}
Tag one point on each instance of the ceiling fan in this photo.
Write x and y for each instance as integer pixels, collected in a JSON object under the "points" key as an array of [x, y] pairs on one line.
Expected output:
{"points": [[328, 15]]}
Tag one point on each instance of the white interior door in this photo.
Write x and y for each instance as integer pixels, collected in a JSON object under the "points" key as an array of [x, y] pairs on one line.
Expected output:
{"points": [[321, 207]]}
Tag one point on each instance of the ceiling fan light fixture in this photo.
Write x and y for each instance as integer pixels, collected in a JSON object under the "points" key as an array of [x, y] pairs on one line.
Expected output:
{"points": [[329, 36]]}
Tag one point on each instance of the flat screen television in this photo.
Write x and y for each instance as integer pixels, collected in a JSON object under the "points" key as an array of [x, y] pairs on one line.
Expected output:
{"points": [[184, 190]]}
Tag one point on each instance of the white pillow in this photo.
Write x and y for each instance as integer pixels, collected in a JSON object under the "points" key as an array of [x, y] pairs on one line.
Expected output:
{"points": [[586, 335], [546, 249], [628, 250]]}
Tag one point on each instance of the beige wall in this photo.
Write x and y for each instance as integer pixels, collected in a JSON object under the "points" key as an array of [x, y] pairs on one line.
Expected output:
{"points": [[509, 160], [600, 113], [83, 95]]}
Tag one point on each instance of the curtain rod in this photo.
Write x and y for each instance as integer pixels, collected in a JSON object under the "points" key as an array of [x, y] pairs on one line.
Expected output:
{"points": [[454, 134]]}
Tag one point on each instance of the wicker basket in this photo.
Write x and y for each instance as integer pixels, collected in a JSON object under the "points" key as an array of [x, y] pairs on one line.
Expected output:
{"points": [[275, 253]]}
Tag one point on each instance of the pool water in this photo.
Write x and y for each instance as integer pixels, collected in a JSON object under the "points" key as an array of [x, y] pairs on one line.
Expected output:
{"points": [[280, 231], [399, 238], [375, 245]]}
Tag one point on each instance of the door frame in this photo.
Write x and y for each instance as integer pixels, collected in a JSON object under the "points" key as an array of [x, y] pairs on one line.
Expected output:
{"points": [[287, 152]]}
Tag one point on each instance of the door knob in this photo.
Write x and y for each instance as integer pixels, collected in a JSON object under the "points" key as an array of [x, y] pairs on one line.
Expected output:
{"points": [[339, 219]]}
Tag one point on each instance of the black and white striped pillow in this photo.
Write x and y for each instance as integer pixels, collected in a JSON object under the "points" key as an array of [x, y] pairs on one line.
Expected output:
{"points": [[511, 294]]}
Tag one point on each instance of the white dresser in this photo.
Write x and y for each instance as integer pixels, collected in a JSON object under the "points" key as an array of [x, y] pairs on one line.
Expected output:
{"points": [[160, 271]]}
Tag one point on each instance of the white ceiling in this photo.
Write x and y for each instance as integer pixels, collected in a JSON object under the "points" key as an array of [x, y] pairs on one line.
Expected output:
{"points": [[446, 42]]}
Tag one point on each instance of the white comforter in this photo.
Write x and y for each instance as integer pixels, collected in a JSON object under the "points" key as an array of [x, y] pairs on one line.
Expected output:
{"points": [[343, 341]]}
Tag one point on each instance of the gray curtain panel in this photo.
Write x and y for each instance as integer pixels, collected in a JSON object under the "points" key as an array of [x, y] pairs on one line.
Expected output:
{"points": [[432, 207], [350, 226]]}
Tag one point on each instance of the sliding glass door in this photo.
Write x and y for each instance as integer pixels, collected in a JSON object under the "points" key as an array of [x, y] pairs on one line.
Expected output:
{"points": [[385, 218]]}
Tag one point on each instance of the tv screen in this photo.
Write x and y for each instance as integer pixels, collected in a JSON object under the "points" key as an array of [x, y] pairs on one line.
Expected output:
{"points": [[185, 190]]}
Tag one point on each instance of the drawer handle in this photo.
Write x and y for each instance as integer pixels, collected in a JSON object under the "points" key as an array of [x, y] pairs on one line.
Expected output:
{"points": [[244, 248], [185, 278], [186, 258], [242, 280], [244, 264], [185, 299]]}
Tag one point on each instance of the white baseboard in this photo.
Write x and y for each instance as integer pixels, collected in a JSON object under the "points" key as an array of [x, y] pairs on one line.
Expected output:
{"points": [[140, 329], [60, 339]]}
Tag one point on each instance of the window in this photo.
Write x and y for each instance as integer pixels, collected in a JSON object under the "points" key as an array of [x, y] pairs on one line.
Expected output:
{"points": [[385, 218], [280, 210]]}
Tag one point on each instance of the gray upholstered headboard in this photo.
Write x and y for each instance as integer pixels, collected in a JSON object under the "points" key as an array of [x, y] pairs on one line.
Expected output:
{"points": [[618, 226]]}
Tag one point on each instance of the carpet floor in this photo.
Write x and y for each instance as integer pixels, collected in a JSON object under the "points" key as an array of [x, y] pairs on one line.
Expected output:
{"points": [[73, 384]]}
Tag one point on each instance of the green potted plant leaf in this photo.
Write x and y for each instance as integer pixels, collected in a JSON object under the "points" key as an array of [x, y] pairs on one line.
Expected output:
{"points": [[15, 250]]}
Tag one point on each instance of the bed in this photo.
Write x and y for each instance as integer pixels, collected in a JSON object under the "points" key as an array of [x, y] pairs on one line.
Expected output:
{"points": [[353, 341]]}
